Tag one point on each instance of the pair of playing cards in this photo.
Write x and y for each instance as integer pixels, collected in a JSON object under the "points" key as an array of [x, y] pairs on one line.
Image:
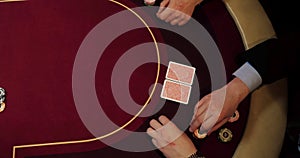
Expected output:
{"points": [[177, 86]]}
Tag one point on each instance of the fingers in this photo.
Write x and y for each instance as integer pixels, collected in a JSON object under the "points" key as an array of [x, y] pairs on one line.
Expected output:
{"points": [[172, 16], [157, 133], [199, 111], [155, 124], [157, 139], [196, 123], [185, 20], [164, 120], [218, 125], [169, 14], [152, 133], [175, 21], [199, 114], [158, 129], [163, 6], [177, 18], [175, 12], [202, 104]]}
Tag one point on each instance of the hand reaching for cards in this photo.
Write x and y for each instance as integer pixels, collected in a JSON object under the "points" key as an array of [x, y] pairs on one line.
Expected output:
{"points": [[177, 12], [170, 140], [234, 92]]}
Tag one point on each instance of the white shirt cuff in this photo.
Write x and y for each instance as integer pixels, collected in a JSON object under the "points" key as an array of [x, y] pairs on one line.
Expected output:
{"points": [[249, 76]]}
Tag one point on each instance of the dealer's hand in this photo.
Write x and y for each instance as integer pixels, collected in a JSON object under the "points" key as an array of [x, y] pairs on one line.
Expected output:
{"points": [[177, 12], [234, 92]]}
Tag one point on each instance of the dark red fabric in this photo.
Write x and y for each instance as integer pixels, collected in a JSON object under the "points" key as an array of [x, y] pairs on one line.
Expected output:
{"points": [[39, 40]]}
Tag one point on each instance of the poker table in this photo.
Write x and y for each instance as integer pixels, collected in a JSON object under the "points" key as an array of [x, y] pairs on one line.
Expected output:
{"points": [[46, 67]]}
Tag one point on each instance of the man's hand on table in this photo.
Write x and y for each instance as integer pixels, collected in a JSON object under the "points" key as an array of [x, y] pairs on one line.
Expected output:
{"points": [[170, 140], [177, 12], [234, 92]]}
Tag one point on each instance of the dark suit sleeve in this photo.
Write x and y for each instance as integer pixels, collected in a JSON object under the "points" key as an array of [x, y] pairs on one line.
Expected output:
{"points": [[269, 60]]}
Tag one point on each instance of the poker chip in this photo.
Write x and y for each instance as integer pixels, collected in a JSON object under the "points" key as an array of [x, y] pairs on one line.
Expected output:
{"points": [[2, 107], [235, 117], [149, 2], [2, 95], [225, 135], [2, 99], [198, 135]]}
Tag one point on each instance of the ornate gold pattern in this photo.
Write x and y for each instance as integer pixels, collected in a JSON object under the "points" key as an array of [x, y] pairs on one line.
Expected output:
{"points": [[225, 135]]}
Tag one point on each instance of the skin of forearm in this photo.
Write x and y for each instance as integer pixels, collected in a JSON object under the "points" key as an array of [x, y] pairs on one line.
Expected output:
{"points": [[238, 88], [196, 2]]}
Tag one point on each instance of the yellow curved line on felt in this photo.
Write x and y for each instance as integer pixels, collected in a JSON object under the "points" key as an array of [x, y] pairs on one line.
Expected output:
{"points": [[11, 0], [122, 127]]}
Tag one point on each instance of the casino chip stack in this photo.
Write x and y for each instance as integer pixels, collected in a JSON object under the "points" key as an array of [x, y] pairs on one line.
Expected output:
{"points": [[2, 99]]}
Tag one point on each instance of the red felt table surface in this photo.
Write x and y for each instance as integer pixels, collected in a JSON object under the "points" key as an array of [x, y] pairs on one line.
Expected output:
{"points": [[39, 41]]}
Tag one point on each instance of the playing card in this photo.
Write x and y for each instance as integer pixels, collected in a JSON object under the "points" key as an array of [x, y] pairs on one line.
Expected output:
{"points": [[181, 73], [176, 91]]}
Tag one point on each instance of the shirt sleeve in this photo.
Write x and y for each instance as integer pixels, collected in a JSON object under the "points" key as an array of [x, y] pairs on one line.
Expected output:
{"points": [[267, 60], [249, 76]]}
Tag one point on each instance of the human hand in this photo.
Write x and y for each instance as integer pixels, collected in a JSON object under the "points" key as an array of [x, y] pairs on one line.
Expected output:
{"points": [[170, 140], [177, 12], [221, 108], [149, 2]]}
